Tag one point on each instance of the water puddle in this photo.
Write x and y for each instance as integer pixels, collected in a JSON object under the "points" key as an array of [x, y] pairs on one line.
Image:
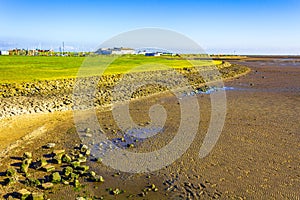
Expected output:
{"points": [[207, 90]]}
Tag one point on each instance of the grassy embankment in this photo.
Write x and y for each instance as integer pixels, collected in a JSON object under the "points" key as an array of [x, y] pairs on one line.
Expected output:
{"points": [[17, 69]]}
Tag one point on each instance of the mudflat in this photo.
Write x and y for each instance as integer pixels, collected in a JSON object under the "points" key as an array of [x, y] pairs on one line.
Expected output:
{"points": [[256, 157]]}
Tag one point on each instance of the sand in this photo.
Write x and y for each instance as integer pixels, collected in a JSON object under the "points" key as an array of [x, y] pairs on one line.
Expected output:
{"points": [[256, 157]]}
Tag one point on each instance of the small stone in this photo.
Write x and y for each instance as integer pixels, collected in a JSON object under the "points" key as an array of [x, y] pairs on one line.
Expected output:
{"points": [[76, 183], [66, 182], [24, 168], [75, 164], [55, 177], [116, 191], [47, 186], [11, 180], [32, 182], [27, 155], [37, 196], [153, 186], [67, 171], [101, 179], [130, 145], [92, 173], [50, 145], [142, 194], [66, 158], [23, 194], [82, 159], [88, 152], [83, 148], [87, 130], [40, 163], [73, 176], [83, 168], [27, 161], [58, 152], [48, 168], [11, 172]]}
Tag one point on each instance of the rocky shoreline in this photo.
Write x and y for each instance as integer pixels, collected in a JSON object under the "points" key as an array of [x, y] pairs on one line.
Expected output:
{"points": [[58, 95]]}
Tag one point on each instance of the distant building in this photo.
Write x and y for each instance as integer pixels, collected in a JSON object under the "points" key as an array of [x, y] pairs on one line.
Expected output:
{"points": [[4, 53], [115, 51]]}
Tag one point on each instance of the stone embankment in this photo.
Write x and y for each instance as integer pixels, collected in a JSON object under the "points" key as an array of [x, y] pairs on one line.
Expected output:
{"points": [[58, 95]]}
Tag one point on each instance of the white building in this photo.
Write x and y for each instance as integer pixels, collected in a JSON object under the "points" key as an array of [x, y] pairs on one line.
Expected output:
{"points": [[4, 53], [122, 51], [115, 51]]}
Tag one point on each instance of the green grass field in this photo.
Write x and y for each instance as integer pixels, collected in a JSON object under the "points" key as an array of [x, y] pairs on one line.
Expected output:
{"points": [[29, 69]]}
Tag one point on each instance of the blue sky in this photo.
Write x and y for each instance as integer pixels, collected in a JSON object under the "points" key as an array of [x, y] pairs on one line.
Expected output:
{"points": [[249, 26]]}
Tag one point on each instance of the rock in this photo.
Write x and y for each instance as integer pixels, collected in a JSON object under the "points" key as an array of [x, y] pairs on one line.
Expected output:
{"points": [[24, 167], [83, 148], [66, 182], [27, 161], [41, 162], [101, 179], [11, 172], [37, 196], [50, 145], [23, 194], [55, 177], [58, 152], [27, 155], [92, 174], [130, 145], [57, 158], [83, 168], [81, 159], [77, 183], [32, 182], [11, 180], [153, 186], [88, 135], [95, 178], [73, 176], [67, 171], [116, 191], [47, 186], [88, 152], [66, 158], [75, 164], [48, 168]]}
